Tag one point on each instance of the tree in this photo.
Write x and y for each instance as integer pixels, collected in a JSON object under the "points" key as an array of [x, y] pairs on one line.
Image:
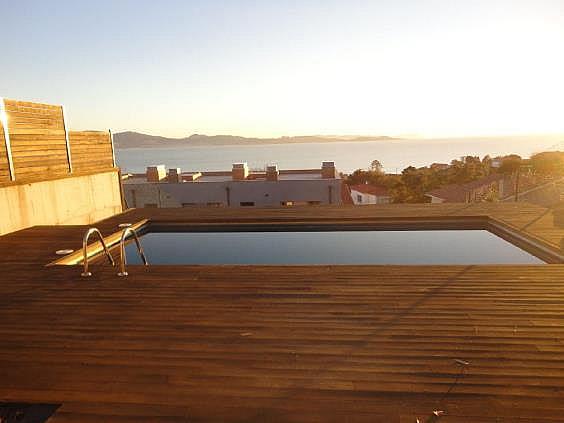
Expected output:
{"points": [[376, 166], [412, 184], [510, 164], [549, 163]]}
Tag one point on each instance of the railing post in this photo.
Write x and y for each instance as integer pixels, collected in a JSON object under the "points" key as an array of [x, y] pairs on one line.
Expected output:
{"points": [[122, 256], [69, 157], [86, 273], [4, 120]]}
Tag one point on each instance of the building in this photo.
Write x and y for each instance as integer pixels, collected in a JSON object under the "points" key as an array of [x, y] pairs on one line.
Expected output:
{"points": [[492, 187], [239, 187], [439, 166], [496, 163], [370, 194]]}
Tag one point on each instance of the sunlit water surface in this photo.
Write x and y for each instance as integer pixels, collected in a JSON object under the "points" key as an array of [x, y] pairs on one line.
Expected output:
{"points": [[394, 155]]}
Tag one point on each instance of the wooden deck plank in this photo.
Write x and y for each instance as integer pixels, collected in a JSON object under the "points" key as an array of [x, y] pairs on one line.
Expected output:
{"points": [[283, 343]]}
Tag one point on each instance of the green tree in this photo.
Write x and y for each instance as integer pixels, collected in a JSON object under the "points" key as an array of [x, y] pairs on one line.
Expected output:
{"points": [[510, 164], [376, 166], [549, 163], [412, 184]]}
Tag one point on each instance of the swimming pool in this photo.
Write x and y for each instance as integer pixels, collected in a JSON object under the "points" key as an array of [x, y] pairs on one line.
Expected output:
{"points": [[307, 247]]}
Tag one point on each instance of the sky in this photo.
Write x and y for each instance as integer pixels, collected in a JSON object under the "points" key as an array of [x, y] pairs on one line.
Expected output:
{"points": [[429, 68]]}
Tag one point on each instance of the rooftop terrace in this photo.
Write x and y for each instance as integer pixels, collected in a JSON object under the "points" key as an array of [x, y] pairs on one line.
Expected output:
{"points": [[293, 343], [294, 175]]}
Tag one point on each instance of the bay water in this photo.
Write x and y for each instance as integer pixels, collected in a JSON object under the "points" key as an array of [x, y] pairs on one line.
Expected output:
{"points": [[395, 155]]}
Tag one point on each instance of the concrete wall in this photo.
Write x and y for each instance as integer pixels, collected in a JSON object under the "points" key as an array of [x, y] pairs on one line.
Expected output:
{"points": [[368, 198], [262, 193], [74, 200], [364, 198]]}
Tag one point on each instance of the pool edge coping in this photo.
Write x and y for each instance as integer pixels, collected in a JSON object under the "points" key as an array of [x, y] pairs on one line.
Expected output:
{"points": [[525, 241]]}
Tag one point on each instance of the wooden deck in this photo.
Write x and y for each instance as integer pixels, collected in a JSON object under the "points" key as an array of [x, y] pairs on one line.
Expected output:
{"points": [[285, 343]]}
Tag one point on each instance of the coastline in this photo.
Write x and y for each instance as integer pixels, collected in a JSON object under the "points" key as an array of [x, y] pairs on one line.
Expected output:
{"points": [[209, 141]]}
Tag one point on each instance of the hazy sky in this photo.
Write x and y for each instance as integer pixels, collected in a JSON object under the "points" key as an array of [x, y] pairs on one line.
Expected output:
{"points": [[270, 68]]}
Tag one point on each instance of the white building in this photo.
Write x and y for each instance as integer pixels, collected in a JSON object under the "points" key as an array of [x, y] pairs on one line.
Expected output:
{"points": [[369, 194], [236, 188]]}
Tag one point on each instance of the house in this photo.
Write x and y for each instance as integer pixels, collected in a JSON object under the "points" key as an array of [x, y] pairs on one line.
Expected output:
{"points": [[439, 166], [491, 187], [496, 163], [239, 187], [369, 194]]}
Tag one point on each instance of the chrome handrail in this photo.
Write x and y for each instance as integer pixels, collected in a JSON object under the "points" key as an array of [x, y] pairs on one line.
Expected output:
{"points": [[122, 257], [89, 232]]}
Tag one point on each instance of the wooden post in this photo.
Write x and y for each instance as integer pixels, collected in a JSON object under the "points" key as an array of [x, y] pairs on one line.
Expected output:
{"points": [[4, 120], [69, 158], [517, 184], [122, 193], [112, 146]]}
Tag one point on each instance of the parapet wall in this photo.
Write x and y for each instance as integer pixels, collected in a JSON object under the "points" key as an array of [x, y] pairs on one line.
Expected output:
{"points": [[73, 200]]}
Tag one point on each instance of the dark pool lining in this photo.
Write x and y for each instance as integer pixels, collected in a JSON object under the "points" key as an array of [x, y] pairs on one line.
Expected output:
{"points": [[183, 239], [523, 241]]}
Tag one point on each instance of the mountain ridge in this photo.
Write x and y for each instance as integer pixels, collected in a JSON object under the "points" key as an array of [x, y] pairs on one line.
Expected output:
{"points": [[131, 139]]}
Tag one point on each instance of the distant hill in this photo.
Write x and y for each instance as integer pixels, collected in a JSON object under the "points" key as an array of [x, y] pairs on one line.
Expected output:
{"points": [[137, 140]]}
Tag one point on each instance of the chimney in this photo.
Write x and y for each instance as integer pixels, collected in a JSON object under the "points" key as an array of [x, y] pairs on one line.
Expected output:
{"points": [[156, 173], [272, 173], [328, 170], [174, 175], [240, 171]]}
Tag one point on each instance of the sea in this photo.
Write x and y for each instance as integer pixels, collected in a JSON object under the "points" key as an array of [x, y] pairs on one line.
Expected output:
{"points": [[394, 155]]}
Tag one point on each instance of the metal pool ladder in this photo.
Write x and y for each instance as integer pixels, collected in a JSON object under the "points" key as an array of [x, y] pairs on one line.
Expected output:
{"points": [[122, 257], [89, 232]]}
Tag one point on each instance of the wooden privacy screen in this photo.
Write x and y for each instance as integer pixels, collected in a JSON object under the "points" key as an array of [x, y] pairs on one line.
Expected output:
{"points": [[41, 146], [37, 139], [91, 150]]}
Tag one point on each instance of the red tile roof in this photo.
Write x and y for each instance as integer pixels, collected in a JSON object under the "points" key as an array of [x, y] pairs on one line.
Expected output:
{"points": [[377, 190], [346, 197], [440, 166], [456, 193]]}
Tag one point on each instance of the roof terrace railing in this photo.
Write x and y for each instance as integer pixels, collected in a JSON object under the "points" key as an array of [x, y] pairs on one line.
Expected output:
{"points": [[89, 232], [122, 256]]}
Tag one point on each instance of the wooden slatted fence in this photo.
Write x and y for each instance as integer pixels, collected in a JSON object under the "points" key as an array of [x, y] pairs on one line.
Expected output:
{"points": [[91, 150], [37, 138], [41, 147]]}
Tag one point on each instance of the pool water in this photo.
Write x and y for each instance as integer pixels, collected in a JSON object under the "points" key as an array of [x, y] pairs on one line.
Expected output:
{"points": [[330, 247]]}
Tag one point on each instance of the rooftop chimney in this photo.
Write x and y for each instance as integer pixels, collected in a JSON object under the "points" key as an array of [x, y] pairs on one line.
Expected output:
{"points": [[272, 173], [156, 173], [328, 170], [240, 171], [174, 175]]}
